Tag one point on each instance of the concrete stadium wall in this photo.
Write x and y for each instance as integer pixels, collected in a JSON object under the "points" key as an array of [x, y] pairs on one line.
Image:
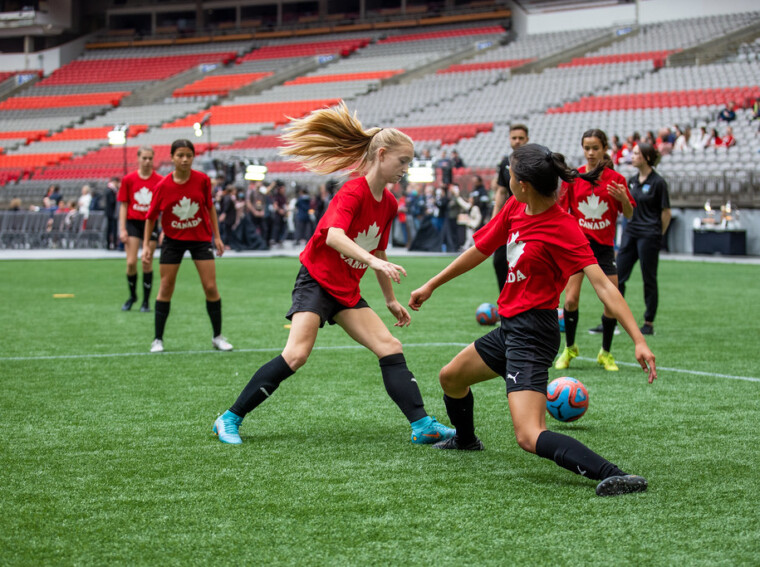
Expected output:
{"points": [[650, 11]]}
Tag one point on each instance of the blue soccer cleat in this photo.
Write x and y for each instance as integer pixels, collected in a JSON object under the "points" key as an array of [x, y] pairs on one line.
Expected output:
{"points": [[427, 430], [226, 428]]}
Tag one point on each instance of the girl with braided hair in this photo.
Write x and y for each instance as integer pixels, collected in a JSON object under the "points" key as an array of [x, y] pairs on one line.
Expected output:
{"points": [[545, 247], [350, 237]]}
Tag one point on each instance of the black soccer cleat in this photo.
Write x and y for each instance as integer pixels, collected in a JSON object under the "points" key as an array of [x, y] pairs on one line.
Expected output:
{"points": [[647, 329], [614, 485], [128, 304], [454, 443], [145, 307]]}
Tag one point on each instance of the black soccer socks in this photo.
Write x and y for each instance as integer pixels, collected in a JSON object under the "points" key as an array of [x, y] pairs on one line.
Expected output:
{"points": [[461, 413], [608, 331], [214, 309], [132, 283], [571, 325], [147, 284], [262, 385], [574, 456], [162, 314], [402, 386]]}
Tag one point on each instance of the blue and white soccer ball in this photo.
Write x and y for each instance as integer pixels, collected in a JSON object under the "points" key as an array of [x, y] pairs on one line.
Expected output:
{"points": [[566, 399], [487, 314]]}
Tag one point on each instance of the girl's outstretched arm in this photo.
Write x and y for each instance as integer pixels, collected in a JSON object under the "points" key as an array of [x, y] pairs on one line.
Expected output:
{"points": [[464, 263]]}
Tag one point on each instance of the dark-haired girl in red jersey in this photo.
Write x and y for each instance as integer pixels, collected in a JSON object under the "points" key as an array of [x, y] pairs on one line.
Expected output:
{"points": [[596, 205], [544, 248], [188, 219], [351, 236]]}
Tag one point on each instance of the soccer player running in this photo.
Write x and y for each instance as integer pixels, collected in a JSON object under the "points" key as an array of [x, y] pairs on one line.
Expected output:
{"points": [[518, 136], [188, 219], [545, 247], [135, 195], [595, 203], [351, 236]]}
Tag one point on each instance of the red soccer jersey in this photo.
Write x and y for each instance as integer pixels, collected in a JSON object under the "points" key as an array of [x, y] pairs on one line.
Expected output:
{"points": [[593, 206], [137, 193], [365, 221], [185, 207], [543, 251]]}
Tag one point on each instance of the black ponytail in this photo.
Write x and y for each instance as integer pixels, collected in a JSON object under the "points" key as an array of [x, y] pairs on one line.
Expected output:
{"points": [[542, 168]]}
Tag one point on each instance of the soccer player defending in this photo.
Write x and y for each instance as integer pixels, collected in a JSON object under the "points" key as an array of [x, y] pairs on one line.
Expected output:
{"points": [[545, 247], [188, 219], [350, 237]]}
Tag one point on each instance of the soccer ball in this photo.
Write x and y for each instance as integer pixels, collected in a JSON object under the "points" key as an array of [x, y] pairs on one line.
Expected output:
{"points": [[566, 399], [487, 314], [561, 319]]}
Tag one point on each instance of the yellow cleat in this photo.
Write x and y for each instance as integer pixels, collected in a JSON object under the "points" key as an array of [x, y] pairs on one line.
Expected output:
{"points": [[606, 359], [567, 355]]}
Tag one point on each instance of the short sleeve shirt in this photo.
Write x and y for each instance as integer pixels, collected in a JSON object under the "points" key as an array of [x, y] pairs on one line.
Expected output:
{"points": [[543, 251], [185, 207], [137, 193], [651, 199], [366, 221], [594, 208], [503, 175]]}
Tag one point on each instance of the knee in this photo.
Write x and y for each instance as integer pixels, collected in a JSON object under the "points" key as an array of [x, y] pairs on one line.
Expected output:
{"points": [[132, 267], [212, 294], [296, 358], [571, 302], [389, 345], [526, 439], [449, 380], [146, 266]]}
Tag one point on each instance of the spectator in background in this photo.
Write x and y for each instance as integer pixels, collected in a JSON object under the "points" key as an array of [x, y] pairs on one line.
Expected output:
{"points": [[112, 214], [84, 202], [683, 142], [702, 139], [616, 149], [453, 232], [482, 200], [445, 165], [715, 139], [728, 114], [15, 204], [279, 207], [456, 160], [664, 142], [304, 216], [728, 140]]}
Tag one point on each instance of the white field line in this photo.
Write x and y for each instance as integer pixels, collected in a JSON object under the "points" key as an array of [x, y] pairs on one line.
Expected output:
{"points": [[337, 347]]}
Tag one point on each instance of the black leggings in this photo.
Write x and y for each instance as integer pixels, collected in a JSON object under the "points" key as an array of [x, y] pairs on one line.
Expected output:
{"points": [[645, 249]]}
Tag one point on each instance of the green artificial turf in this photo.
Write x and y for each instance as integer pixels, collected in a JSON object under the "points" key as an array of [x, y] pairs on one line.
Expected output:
{"points": [[108, 456]]}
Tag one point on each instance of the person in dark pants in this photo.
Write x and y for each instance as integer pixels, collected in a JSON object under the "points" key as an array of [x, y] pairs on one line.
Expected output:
{"points": [[642, 238], [518, 136], [111, 210], [545, 246]]}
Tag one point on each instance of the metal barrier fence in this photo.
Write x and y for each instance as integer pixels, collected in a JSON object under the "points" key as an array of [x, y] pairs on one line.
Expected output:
{"points": [[27, 229]]}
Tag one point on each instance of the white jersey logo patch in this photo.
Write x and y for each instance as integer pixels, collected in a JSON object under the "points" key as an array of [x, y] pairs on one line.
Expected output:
{"points": [[592, 208], [367, 240]]}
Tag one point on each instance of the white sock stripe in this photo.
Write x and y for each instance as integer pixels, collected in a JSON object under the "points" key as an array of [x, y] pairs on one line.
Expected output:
{"points": [[265, 392], [342, 347]]}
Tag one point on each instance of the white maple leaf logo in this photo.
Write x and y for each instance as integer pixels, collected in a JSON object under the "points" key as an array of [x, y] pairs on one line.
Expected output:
{"points": [[514, 250], [592, 209], [185, 209], [369, 239], [143, 196]]}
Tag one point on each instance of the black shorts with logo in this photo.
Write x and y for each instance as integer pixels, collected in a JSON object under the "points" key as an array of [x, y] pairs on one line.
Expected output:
{"points": [[172, 250], [522, 349], [605, 256], [308, 295], [136, 228]]}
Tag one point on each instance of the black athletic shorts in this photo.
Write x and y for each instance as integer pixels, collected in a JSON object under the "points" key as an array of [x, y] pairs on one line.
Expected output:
{"points": [[136, 228], [522, 349], [308, 295], [605, 256], [172, 250]]}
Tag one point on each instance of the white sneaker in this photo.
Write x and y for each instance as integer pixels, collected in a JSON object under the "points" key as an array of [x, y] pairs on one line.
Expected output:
{"points": [[157, 346], [220, 343]]}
